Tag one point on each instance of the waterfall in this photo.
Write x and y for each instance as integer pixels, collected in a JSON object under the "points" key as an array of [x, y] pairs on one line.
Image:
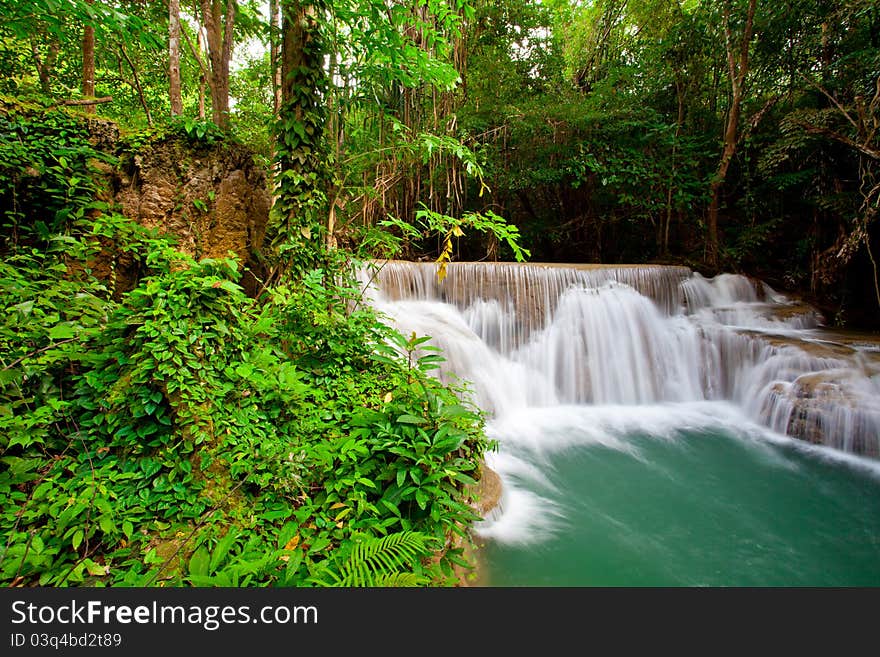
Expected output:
{"points": [[545, 336]]}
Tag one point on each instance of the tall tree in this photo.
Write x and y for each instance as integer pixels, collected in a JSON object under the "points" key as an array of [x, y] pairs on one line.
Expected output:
{"points": [[737, 70], [297, 226], [88, 60], [218, 18], [275, 53], [174, 92]]}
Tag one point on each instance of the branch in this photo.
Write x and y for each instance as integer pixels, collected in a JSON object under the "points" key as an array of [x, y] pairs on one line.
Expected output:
{"points": [[137, 83], [843, 139], [747, 39], [874, 101], [195, 53], [832, 99], [757, 116], [728, 44], [35, 353], [85, 101]]}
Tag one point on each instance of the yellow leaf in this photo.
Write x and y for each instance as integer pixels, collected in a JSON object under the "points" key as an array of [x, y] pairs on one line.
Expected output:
{"points": [[457, 231], [306, 232], [337, 505], [387, 398], [292, 543]]}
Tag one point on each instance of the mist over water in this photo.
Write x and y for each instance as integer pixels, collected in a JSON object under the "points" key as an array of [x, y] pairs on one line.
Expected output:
{"points": [[641, 415]]}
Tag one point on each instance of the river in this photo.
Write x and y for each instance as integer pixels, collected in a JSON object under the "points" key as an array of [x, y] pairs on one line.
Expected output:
{"points": [[657, 428]]}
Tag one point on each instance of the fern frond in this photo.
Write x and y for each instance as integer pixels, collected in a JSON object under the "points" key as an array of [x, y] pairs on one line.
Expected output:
{"points": [[375, 557], [381, 561], [401, 580]]}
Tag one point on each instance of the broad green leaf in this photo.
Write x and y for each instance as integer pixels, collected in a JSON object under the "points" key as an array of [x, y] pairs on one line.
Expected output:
{"points": [[406, 418], [199, 562]]}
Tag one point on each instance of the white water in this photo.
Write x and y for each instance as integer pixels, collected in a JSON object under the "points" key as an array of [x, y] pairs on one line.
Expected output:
{"points": [[558, 354]]}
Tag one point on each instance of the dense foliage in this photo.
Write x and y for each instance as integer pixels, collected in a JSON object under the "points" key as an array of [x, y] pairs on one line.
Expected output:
{"points": [[177, 429], [185, 433], [606, 123]]}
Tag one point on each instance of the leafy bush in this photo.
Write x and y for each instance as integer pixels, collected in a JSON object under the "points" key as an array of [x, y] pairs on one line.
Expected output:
{"points": [[190, 435], [174, 430], [47, 171]]}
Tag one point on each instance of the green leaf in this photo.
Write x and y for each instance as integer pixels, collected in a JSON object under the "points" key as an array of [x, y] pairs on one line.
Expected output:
{"points": [[107, 525], [199, 562], [454, 411], [293, 563], [222, 549], [62, 331], [406, 418], [391, 507], [320, 543], [25, 307], [95, 568]]}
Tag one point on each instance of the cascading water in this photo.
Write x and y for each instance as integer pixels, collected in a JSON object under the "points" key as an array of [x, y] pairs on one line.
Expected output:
{"points": [[645, 364]]}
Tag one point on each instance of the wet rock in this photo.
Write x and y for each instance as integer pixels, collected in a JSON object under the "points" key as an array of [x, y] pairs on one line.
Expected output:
{"points": [[831, 408], [487, 492]]}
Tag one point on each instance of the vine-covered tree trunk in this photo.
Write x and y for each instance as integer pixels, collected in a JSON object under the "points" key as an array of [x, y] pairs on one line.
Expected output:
{"points": [[206, 74], [174, 92], [88, 63], [301, 204]]}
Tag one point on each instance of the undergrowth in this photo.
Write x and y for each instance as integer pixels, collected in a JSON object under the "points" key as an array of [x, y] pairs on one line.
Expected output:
{"points": [[183, 433]]}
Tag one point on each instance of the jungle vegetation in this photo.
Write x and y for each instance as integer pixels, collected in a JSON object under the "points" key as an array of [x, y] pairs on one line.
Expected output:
{"points": [[193, 430]]}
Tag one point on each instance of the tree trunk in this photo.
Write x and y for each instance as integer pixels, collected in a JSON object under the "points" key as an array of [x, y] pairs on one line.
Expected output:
{"points": [[197, 52], [301, 201], [47, 65], [174, 93], [730, 139], [205, 76], [274, 53], [679, 123], [88, 63], [218, 27], [738, 68]]}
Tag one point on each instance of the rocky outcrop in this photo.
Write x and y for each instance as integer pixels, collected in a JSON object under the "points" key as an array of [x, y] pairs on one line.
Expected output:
{"points": [[827, 408], [213, 198], [487, 492], [838, 405]]}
